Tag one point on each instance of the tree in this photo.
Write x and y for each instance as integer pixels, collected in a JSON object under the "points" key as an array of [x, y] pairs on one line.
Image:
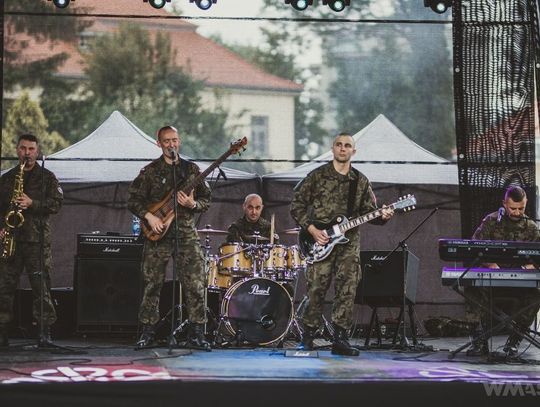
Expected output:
{"points": [[26, 116], [29, 72], [399, 69], [23, 18], [129, 71]]}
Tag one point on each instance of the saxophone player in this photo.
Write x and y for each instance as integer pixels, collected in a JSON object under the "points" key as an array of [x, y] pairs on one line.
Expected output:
{"points": [[29, 194]]}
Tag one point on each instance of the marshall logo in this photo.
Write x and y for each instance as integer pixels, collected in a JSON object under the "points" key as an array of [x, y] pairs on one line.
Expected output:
{"points": [[255, 290], [111, 250], [378, 258]]}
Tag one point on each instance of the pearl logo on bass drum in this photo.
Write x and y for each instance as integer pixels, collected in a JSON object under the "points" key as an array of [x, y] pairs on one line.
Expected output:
{"points": [[255, 290]]}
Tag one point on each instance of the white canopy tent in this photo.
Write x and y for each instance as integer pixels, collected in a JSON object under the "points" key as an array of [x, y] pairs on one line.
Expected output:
{"points": [[114, 152], [386, 155]]}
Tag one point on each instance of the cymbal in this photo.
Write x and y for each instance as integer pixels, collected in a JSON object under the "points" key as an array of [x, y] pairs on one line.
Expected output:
{"points": [[214, 231], [293, 231], [257, 237]]}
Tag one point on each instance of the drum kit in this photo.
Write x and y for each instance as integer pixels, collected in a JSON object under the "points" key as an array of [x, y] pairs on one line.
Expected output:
{"points": [[255, 283]]}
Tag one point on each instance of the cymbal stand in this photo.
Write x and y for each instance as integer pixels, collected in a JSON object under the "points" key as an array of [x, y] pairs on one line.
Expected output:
{"points": [[207, 248]]}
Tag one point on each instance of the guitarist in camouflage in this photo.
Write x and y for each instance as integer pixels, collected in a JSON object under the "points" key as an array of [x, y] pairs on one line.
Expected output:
{"points": [[151, 185], [320, 197]]}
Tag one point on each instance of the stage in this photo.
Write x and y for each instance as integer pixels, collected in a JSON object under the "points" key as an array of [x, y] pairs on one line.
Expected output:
{"points": [[110, 372]]}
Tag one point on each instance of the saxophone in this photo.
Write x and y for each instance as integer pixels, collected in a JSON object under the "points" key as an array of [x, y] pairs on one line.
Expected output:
{"points": [[14, 218]]}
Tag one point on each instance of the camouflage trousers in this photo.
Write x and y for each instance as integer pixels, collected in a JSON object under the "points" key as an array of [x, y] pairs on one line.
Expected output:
{"points": [[343, 265], [190, 268], [508, 300], [27, 259]]}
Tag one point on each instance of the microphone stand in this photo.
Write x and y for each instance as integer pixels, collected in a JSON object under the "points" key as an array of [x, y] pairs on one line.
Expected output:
{"points": [[42, 343], [176, 158], [405, 250]]}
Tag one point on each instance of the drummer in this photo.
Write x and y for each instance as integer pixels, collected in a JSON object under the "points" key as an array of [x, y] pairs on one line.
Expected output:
{"points": [[251, 228]]}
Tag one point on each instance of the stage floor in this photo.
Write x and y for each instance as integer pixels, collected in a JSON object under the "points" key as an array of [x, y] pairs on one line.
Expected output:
{"points": [[233, 376]]}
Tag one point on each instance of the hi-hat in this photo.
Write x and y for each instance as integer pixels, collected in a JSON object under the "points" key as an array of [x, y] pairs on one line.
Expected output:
{"points": [[293, 231], [214, 231]]}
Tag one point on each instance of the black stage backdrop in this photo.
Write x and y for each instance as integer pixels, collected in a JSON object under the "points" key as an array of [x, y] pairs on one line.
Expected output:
{"points": [[495, 49]]}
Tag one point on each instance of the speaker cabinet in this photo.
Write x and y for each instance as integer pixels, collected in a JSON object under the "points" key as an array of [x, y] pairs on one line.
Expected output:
{"points": [[383, 278], [108, 292]]}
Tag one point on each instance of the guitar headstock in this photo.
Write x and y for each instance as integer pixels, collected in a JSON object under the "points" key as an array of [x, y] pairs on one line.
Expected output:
{"points": [[406, 203], [238, 146]]}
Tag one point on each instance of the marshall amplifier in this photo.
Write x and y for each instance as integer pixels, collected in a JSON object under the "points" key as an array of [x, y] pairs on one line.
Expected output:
{"points": [[383, 276], [108, 282], [108, 246]]}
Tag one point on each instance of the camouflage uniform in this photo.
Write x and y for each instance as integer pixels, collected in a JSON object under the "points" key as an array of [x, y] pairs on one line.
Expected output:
{"points": [[242, 228], [27, 241], [506, 229], [321, 196], [150, 186]]}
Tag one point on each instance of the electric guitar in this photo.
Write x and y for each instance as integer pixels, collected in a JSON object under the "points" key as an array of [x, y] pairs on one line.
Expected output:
{"points": [[164, 209], [314, 252]]}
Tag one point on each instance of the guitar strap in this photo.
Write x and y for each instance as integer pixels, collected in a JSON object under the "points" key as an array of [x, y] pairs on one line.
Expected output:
{"points": [[353, 187]]}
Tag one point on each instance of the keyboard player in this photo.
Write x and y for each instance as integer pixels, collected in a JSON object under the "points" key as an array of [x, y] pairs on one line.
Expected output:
{"points": [[508, 223]]}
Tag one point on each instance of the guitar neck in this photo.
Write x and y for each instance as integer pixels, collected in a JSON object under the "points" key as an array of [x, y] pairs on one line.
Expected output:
{"points": [[363, 219], [199, 178]]}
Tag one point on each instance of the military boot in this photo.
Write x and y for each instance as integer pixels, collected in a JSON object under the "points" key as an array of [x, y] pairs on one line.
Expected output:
{"points": [[44, 335], [308, 335], [478, 348], [147, 337], [4, 343], [511, 345], [340, 343], [196, 339]]}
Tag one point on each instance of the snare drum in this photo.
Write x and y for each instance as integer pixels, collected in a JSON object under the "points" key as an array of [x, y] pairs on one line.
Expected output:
{"points": [[233, 260], [216, 280]]}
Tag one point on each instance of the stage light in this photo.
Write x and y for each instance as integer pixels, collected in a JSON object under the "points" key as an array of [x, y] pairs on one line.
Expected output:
{"points": [[299, 4], [337, 5], [157, 3], [438, 6], [203, 4], [61, 3]]}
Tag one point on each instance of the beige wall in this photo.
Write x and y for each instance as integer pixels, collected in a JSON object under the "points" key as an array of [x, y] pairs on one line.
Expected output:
{"points": [[279, 108]]}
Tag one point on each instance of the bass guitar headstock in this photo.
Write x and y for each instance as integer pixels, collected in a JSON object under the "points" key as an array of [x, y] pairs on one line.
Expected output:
{"points": [[238, 146]]}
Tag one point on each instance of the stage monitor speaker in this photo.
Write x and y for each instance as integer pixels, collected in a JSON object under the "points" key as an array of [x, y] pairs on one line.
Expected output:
{"points": [[382, 278], [108, 292]]}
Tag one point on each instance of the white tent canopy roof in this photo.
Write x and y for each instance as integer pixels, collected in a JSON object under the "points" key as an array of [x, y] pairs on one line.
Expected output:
{"points": [[114, 152], [394, 157]]}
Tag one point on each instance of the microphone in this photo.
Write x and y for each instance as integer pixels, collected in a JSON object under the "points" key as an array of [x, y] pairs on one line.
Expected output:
{"points": [[171, 152], [502, 212]]}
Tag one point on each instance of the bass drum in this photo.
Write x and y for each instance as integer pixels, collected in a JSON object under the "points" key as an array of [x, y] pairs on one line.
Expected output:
{"points": [[259, 310]]}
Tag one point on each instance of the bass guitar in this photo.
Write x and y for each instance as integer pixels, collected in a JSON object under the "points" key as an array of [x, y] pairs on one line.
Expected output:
{"points": [[336, 229], [164, 209]]}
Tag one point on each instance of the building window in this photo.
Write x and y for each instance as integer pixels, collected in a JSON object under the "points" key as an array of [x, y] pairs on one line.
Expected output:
{"points": [[259, 134]]}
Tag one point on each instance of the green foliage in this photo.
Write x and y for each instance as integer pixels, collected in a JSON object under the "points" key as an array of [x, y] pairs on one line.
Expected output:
{"points": [[31, 73], [26, 116], [130, 72], [401, 70]]}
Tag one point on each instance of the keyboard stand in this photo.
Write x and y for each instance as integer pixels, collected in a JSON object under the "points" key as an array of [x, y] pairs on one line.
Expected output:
{"points": [[504, 321]]}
